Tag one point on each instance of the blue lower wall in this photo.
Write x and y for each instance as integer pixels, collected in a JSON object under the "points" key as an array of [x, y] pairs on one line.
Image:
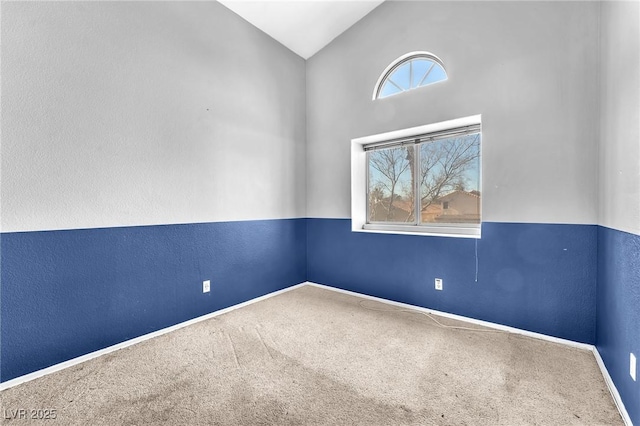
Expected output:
{"points": [[618, 311], [68, 293], [536, 277]]}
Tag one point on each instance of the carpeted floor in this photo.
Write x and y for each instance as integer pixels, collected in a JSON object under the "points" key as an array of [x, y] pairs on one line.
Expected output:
{"points": [[313, 356]]}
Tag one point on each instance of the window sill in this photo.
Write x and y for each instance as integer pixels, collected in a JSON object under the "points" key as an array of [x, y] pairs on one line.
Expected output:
{"points": [[455, 231]]}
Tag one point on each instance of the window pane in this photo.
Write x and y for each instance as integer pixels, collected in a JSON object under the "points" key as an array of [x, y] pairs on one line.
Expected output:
{"points": [[401, 76], [420, 69], [390, 185], [450, 180], [388, 89], [436, 74]]}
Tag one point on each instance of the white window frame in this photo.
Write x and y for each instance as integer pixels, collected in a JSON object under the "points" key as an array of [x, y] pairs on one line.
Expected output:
{"points": [[359, 168], [408, 57]]}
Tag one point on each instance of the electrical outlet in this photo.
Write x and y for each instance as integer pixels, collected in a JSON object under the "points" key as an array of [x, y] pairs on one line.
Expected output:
{"points": [[632, 365], [206, 286], [438, 283]]}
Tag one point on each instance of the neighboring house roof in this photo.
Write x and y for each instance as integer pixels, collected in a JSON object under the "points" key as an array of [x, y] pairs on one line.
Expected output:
{"points": [[403, 205], [433, 208], [400, 212], [434, 212], [455, 193]]}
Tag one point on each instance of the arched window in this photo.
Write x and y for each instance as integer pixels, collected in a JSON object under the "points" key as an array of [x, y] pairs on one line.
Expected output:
{"points": [[410, 71]]}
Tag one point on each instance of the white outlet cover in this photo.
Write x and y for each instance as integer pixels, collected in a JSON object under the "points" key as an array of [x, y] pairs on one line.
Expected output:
{"points": [[206, 286], [438, 283], [632, 366]]}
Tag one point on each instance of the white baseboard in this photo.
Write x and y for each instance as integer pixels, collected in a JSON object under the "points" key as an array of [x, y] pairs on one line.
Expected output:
{"points": [[75, 361], [585, 346], [612, 388]]}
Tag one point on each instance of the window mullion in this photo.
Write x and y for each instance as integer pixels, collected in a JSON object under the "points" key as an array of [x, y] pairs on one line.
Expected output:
{"points": [[416, 184], [410, 74], [367, 177], [394, 83], [433, 64]]}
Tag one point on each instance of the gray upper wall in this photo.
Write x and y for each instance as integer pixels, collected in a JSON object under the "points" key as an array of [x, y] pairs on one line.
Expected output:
{"points": [[619, 155], [140, 113], [530, 69], [144, 113]]}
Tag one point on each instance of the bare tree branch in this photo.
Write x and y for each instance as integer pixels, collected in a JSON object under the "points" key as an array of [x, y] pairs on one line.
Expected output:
{"points": [[444, 165], [391, 163]]}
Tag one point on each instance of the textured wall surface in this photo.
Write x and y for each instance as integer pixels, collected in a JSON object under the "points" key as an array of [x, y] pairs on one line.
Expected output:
{"points": [[618, 309], [530, 69], [68, 293], [139, 113], [537, 277], [619, 150]]}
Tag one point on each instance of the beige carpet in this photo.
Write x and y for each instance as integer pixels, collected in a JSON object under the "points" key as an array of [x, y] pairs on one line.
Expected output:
{"points": [[313, 356]]}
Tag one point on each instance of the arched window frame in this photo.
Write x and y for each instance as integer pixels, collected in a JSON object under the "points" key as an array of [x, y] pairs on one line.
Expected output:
{"points": [[401, 61]]}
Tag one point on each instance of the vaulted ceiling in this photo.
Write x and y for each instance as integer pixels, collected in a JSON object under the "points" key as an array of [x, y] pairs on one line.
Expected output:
{"points": [[303, 26]]}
